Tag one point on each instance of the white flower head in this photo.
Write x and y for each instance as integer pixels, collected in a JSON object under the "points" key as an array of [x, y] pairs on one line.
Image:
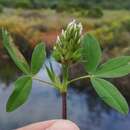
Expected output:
{"points": [[69, 42], [58, 39], [72, 23], [74, 26], [81, 28]]}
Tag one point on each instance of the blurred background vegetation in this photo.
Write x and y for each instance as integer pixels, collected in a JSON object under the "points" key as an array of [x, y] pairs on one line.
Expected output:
{"points": [[63, 4], [29, 25], [31, 21]]}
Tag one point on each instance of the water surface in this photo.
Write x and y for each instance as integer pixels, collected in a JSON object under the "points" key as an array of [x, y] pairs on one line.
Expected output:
{"points": [[84, 107]]}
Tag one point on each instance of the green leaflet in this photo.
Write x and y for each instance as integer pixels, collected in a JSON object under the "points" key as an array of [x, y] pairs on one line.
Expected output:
{"points": [[110, 94], [115, 67], [50, 72], [20, 94], [91, 53], [53, 77], [38, 58], [14, 53]]}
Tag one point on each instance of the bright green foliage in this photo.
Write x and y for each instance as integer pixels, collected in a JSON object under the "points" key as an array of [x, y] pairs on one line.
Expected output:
{"points": [[91, 53], [38, 58], [22, 89], [55, 79], [109, 93], [68, 50], [51, 73], [115, 67], [14, 53], [22, 85]]}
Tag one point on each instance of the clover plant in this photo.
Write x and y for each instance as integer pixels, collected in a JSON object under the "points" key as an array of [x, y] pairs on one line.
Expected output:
{"points": [[71, 47]]}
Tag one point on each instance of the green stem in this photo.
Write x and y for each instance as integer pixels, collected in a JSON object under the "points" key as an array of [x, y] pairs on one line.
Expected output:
{"points": [[83, 77], [65, 73], [42, 81], [64, 78]]}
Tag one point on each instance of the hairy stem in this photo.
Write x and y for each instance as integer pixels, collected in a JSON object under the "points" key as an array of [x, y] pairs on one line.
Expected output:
{"points": [[64, 105], [83, 77], [42, 81]]}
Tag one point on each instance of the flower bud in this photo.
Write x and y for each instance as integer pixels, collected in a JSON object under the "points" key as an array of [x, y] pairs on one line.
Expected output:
{"points": [[68, 44]]}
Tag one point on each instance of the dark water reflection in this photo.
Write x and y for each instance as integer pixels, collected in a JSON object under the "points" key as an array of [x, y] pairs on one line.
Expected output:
{"points": [[44, 103]]}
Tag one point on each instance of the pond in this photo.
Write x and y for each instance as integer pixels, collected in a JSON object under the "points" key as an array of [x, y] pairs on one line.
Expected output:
{"points": [[84, 107]]}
